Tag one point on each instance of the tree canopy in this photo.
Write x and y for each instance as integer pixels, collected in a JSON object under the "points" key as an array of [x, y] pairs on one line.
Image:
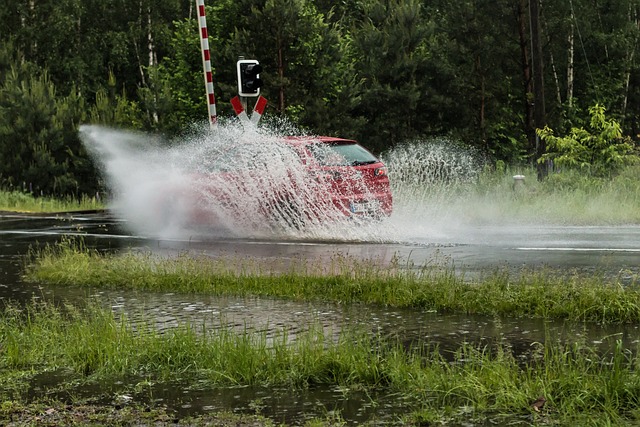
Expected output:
{"points": [[381, 71]]}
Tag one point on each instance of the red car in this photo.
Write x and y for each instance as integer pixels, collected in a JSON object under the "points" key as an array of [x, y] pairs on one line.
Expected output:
{"points": [[295, 181]]}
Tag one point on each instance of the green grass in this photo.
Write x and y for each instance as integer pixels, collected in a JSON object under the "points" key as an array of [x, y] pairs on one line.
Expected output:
{"points": [[582, 386], [23, 202], [92, 344], [567, 198], [545, 294]]}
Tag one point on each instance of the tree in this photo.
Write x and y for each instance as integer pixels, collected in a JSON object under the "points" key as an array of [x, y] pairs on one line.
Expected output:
{"points": [[381, 71], [44, 153], [180, 73], [537, 62], [115, 109], [299, 51], [391, 52], [479, 60]]}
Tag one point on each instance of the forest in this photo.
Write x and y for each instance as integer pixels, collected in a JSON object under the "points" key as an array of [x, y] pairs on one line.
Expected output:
{"points": [[511, 78]]}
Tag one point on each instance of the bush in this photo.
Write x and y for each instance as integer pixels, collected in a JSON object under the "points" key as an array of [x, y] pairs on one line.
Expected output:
{"points": [[602, 150]]}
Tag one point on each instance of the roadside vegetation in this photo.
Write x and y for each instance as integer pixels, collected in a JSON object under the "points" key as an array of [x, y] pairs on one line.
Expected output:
{"points": [[593, 179], [17, 201], [91, 345], [493, 196], [490, 195], [546, 294], [381, 72], [570, 197]]}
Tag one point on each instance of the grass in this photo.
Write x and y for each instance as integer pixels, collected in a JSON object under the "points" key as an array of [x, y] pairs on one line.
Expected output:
{"points": [[546, 294], [487, 384], [566, 198], [17, 201], [574, 198], [582, 386], [92, 344]]}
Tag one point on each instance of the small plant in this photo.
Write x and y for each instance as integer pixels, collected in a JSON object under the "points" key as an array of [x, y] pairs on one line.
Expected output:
{"points": [[602, 150]]}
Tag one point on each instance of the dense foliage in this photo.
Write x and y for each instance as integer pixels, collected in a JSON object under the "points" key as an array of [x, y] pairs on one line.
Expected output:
{"points": [[381, 71]]}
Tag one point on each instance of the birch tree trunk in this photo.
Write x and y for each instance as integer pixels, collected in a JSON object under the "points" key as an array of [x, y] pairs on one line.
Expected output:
{"points": [[153, 60], [538, 83], [145, 25], [556, 79], [143, 79], [570, 59], [632, 17]]}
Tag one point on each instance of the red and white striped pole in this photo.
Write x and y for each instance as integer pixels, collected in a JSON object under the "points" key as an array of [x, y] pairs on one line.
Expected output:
{"points": [[258, 109], [206, 62], [236, 103]]}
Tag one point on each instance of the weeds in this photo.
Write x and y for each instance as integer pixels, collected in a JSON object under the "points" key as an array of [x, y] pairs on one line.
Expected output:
{"points": [[90, 343], [25, 202], [545, 294]]}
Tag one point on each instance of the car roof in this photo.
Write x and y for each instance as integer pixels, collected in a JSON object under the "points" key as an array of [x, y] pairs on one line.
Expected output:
{"points": [[304, 140]]}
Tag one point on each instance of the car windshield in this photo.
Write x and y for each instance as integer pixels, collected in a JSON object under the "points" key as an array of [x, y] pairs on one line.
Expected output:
{"points": [[342, 155]]}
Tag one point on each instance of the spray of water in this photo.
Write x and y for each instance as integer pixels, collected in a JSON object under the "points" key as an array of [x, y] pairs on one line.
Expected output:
{"points": [[249, 184], [431, 181], [234, 183], [428, 174]]}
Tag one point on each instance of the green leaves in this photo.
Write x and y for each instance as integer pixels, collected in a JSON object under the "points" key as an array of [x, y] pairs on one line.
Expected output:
{"points": [[380, 71], [601, 150], [41, 151]]}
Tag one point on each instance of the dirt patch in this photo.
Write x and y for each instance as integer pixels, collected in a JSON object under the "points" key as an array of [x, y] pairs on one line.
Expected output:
{"points": [[60, 414]]}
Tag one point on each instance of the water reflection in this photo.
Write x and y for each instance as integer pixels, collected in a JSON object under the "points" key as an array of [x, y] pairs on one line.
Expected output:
{"points": [[410, 327]]}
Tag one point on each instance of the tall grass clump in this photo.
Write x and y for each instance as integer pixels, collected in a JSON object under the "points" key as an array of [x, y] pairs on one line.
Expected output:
{"points": [[25, 202], [546, 294], [91, 344]]}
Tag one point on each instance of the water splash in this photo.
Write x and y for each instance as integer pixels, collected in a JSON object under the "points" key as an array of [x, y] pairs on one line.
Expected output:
{"points": [[235, 183], [158, 186], [430, 179], [425, 174]]}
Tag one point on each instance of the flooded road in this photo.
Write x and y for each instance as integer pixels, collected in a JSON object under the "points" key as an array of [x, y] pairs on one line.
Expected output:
{"points": [[613, 251], [607, 249]]}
